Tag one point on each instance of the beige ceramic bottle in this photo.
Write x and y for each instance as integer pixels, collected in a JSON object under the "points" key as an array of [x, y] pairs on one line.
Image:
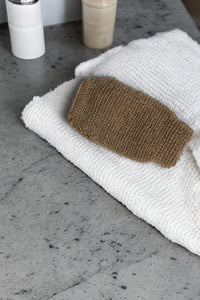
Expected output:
{"points": [[98, 22]]}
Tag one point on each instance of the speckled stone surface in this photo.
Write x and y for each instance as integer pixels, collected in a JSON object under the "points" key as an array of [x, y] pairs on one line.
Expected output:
{"points": [[61, 235]]}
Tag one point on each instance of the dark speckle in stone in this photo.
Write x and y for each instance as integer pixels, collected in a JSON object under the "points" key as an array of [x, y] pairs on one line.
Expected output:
{"points": [[53, 66], [172, 258], [123, 287], [23, 292], [66, 203], [106, 233], [114, 274], [53, 247], [77, 239], [138, 26], [54, 212]]}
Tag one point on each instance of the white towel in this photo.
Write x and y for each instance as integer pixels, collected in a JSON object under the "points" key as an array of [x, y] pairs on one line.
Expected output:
{"points": [[167, 67]]}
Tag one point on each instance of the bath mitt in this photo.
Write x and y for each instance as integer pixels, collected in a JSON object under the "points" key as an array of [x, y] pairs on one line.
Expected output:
{"points": [[166, 67], [128, 122]]}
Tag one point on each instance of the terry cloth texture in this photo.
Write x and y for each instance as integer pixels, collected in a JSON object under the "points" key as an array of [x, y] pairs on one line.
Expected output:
{"points": [[167, 67], [128, 122]]}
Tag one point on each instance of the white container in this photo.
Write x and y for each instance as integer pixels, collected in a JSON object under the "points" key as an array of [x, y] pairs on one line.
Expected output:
{"points": [[98, 22], [26, 28]]}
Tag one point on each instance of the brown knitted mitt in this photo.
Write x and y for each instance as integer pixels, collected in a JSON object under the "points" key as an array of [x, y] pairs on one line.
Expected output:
{"points": [[128, 122]]}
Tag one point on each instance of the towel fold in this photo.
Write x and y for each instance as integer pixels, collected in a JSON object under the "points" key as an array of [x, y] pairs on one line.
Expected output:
{"points": [[166, 67]]}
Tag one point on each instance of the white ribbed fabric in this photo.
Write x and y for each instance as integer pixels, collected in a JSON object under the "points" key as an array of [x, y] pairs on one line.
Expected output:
{"points": [[168, 199]]}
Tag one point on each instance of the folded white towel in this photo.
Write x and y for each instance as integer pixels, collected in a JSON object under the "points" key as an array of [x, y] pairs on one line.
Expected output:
{"points": [[167, 67]]}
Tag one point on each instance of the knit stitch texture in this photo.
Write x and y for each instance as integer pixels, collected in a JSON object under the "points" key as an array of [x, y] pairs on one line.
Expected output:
{"points": [[128, 122], [167, 67]]}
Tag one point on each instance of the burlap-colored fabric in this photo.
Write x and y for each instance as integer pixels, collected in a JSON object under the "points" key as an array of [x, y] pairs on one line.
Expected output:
{"points": [[128, 122]]}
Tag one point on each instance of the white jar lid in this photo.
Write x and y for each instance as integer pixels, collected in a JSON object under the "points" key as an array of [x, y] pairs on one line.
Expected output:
{"points": [[24, 2]]}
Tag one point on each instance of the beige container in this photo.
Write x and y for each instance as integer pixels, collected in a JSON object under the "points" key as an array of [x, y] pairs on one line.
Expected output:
{"points": [[98, 22]]}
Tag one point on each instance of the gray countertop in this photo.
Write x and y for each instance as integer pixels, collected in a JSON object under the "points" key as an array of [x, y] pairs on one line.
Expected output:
{"points": [[61, 235]]}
